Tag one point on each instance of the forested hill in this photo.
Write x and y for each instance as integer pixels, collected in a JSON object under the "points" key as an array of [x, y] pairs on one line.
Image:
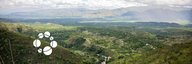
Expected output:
{"points": [[17, 48]]}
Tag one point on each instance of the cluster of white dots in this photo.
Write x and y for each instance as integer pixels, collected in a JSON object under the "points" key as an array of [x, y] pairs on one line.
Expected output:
{"points": [[47, 50]]}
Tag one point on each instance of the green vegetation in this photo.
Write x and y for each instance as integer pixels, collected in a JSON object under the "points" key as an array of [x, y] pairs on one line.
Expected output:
{"points": [[91, 44], [18, 48]]}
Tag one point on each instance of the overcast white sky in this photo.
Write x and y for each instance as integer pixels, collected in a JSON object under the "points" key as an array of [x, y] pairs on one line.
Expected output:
{"points": [[91, 4]]}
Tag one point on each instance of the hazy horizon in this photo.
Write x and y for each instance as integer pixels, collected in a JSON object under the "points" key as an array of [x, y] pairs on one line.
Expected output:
{"points": [[172, 11]]}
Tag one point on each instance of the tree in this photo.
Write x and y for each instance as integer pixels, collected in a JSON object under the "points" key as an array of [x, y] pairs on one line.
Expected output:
{"points": [[19, 29]]}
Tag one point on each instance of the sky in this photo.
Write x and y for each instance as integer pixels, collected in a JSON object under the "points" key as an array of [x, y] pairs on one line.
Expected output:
{"points": [[90, 4]]}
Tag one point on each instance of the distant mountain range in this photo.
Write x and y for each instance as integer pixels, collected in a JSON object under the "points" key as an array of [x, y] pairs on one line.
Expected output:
{"points": [[78, 22], [135, 14]]}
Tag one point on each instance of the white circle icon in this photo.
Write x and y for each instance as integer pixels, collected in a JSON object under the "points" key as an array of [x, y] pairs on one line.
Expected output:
{"points": [[40, 35], [36, 43], [47, 34], [53, 44], [47, 50], [39, 50], [51, 38]]}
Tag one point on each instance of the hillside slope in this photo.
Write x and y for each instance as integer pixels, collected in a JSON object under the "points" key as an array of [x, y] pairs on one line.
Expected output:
{"points": [[176, 54], [18, 49]]}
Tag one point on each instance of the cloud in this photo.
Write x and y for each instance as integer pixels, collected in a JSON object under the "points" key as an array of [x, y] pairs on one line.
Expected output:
{"points": [[91, 4], [165, 2]]}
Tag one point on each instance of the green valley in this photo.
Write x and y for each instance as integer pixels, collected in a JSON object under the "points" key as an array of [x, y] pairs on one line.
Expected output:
{"points": [[84, 44]]}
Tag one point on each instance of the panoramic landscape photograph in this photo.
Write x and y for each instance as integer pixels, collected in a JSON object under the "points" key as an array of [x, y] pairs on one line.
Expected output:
{"points": [[95, 31]]}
